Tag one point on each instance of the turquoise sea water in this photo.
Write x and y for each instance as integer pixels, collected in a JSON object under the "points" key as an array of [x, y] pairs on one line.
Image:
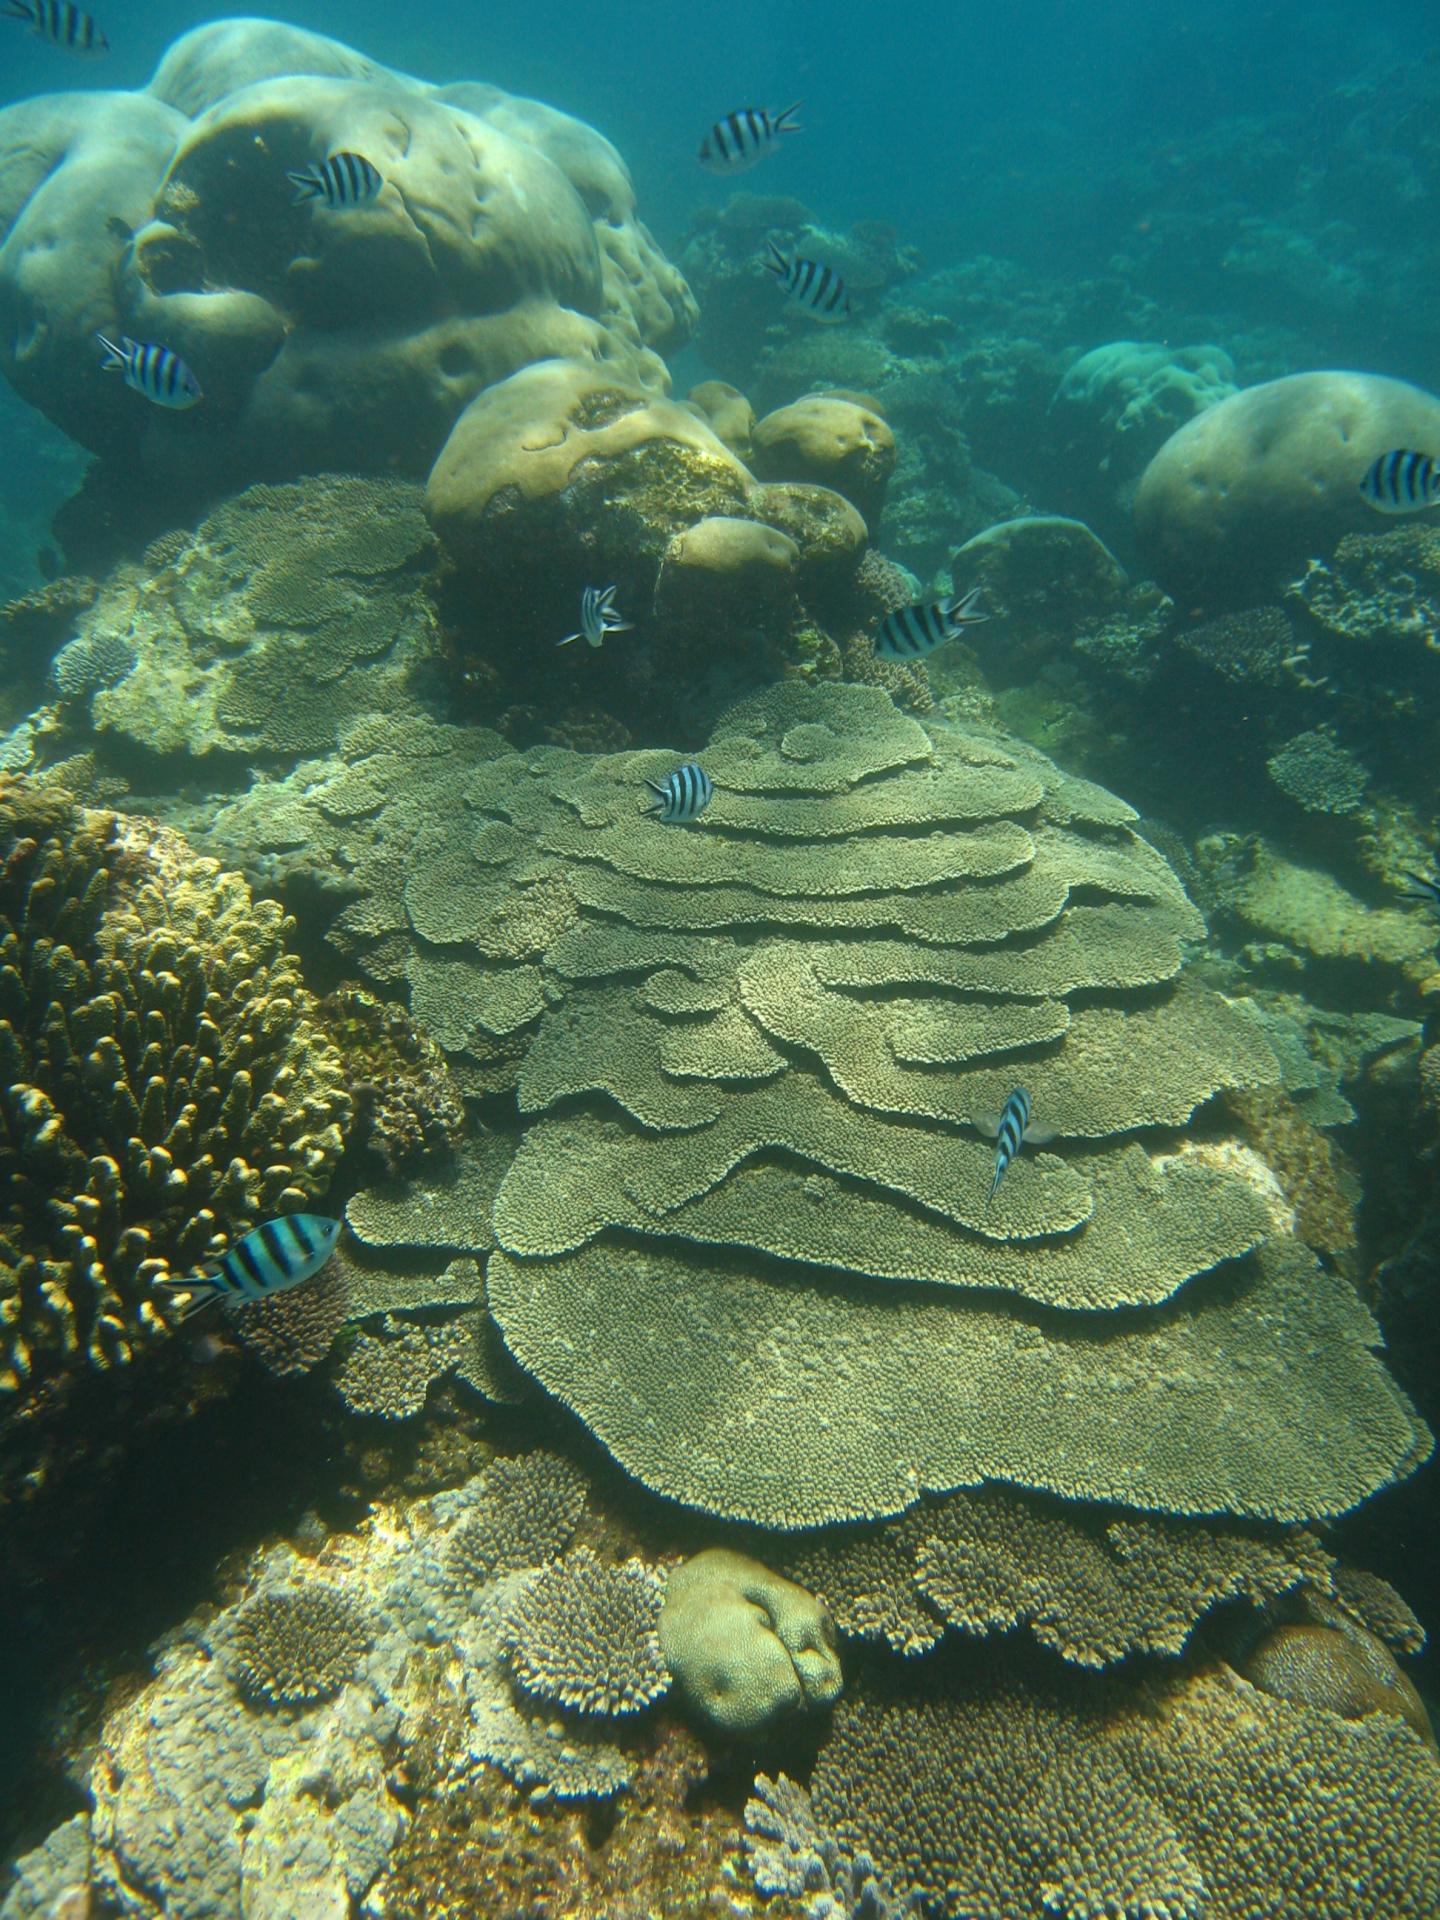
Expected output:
{"points": [[666, 1146]]}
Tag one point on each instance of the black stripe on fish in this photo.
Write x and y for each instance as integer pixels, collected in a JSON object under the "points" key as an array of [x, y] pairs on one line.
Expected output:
{"points": [[241, 1264], [1402, 481]]}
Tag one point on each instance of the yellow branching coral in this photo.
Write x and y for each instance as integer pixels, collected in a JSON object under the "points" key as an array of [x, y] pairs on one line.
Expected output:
{"points": [[164, 1087]]}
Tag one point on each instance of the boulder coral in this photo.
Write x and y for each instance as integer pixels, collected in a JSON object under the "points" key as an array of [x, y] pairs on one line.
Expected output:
{"points": [[504, 233], [744, 1644], [1234, 504]]}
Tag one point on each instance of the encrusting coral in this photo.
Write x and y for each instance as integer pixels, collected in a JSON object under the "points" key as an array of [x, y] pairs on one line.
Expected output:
{"points": [[165, 1084]]}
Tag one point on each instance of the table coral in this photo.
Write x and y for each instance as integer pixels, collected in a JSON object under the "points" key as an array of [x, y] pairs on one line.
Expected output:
{"points": [[167, 1086], [1093, 1584]]}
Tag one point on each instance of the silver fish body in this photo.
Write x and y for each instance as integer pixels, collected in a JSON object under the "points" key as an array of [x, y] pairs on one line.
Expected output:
{"points": [[157, 372], [681, 796], [60, 23], [1403, 482], [911, 632], [344, 180], [598, 616], [817, 290], [270, 1259], [745, 136]]}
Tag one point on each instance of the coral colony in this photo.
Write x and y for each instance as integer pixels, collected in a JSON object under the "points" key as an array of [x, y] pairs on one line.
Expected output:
{"points": [[777, 1201]]}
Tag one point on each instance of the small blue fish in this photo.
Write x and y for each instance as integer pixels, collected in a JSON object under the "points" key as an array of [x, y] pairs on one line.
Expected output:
{"points": [[344, 180], [816, 290], [1403, 482], [682, 795], [162, 376], [60, 23], [745, 136], [1011, 1130], [1423, 886], [909, 632], [271, 1258], [598, 616]]}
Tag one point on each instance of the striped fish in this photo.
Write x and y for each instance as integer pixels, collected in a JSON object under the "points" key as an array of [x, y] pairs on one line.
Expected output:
{"points": [[1011, 1130], [682, 795], [344, 180], [162, 376], [598, 616], [1424, 887], [59, 23], [909, 632], [269, 1259], [816, 290], [745, 136], [1403, 482]]}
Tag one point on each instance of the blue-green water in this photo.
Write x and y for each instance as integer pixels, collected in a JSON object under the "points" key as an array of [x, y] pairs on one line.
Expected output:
{"points": [[881, 1103]]}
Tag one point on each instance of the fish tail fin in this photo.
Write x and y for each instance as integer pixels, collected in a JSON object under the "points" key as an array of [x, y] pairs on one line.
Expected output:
{"points": [[994, 1186], [197, 1289], [115, 360], [785, 121], [656, 788], [19, 10], [621, 626], [967, 607], [306, 186], [775, 262]]}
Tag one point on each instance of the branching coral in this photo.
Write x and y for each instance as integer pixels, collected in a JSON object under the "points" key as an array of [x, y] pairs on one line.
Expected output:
{"points": [[292, 1646], [582, 1633], [164, 1084]]}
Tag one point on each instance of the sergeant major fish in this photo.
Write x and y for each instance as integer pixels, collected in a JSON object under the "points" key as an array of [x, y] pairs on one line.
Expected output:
{"points": [[1424, 887], [1011, 1130], [60, 23], [909, 632], [162, 376], [271, 1258], [682, 795], [1403, 482], [815, 289], [344, 180], [598, 616], [745, 136]]}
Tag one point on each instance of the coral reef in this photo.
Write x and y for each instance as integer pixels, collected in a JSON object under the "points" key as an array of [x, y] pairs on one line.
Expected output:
{"points": [[294, 1646], [1092, 1584], [1318, 774], [166, 1084], [744, 1644], [321, 342], [525, 1515], [583, 1634], [408, 1109], [788, 1852], [1376, 589], [1238, 500], [287, 612]]}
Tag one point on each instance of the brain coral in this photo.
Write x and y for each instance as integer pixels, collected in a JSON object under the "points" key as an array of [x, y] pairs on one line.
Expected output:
{"points": [[582, 1633], [504, 233], [164, 1084]]}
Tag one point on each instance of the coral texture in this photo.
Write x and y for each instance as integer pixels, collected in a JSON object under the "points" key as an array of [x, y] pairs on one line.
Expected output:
{"points": [[165, 1084], [293, 1646], [526, 1512], [504, 233], [583, 1633]]}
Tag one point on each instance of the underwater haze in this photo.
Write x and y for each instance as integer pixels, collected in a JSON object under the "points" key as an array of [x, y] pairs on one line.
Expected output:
{"points": [[719, 962]]}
